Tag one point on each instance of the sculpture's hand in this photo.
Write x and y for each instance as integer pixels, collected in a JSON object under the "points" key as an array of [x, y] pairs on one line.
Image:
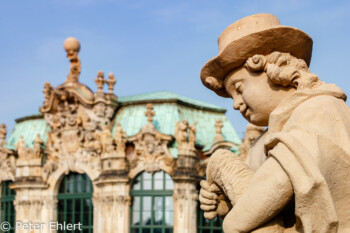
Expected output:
{"points": [[213, 202]]}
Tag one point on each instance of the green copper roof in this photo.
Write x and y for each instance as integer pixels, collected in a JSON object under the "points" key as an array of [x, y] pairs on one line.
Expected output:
{"points": [[165, 96], [28, 127]]}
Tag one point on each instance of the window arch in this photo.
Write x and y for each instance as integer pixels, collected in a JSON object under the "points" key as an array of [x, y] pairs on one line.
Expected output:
{"points": [[74, 202], [8, 212], [152, 210]]}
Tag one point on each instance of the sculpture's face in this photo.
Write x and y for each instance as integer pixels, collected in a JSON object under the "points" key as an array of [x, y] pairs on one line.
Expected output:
{"points": [[254, 95], [72, 55]]}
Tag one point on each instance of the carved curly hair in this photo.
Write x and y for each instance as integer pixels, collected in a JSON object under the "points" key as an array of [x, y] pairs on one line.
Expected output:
{"points": [[284, 69]]}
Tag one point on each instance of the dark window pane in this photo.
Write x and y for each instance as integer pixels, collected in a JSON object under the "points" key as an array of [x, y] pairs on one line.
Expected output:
{"points": [[7, 212], [72, 207], [157, 230], [218, 231]]}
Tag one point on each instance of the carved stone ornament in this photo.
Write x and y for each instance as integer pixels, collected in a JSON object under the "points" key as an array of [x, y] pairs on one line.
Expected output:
{"points": [[27, 154], [79, 119], [185, 136], [151, 151]]}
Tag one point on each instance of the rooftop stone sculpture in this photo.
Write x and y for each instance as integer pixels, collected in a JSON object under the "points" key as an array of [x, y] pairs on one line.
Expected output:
{"points": [[302, 183]]}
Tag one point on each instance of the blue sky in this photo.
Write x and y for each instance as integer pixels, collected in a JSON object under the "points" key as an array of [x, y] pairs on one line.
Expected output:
{"points": [[148, 45]]}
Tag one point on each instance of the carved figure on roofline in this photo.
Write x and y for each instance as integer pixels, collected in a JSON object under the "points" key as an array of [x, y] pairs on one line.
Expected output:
{"points": [[37, 146], [72, 47], [301, 183], [120, 139], [21, 148], [106, 140], [3, 132], [181, 129]]}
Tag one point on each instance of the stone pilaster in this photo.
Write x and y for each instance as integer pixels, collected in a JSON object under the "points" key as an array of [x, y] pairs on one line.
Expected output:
{"points": [[29, 202], [112, 206], [112, 200], [185, 193]]}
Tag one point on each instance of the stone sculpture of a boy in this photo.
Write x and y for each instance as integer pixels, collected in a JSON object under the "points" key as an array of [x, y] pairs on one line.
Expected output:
{"points": [[303, 181]]}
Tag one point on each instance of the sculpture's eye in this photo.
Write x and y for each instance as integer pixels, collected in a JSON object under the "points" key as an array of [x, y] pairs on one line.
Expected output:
{"points": [[239, 87]]}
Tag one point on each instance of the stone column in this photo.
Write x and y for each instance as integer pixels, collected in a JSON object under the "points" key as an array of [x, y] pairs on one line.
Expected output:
{"points": [[185, 193]]}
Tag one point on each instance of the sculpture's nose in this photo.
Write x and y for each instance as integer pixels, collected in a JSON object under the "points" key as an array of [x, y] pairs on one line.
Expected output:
{"points": [[237, 102]]}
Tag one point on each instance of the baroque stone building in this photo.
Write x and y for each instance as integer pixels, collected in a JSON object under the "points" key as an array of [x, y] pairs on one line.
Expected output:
{"points": [[128, 164]]}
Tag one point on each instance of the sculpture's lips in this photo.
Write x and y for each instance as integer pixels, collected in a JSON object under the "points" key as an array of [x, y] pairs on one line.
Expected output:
{"points": [[245, 111]]}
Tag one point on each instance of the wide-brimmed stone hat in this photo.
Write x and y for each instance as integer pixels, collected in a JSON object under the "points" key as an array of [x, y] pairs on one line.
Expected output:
{"points": [[255, 34]]}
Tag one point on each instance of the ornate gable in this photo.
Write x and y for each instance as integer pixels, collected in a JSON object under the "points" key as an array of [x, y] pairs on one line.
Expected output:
{"points": [[151, 149], [78, 118]]}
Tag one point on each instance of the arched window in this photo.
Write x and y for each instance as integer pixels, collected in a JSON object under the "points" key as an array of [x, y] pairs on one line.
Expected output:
{"points": [[74, 203], [152, 209], [8, 213]]}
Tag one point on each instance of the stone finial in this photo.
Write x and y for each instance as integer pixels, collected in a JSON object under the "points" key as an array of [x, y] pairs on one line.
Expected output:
{"points": [[100, 81], [149, 113], [218, 126], [72, 47], [111, 82], [3, 132]]}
